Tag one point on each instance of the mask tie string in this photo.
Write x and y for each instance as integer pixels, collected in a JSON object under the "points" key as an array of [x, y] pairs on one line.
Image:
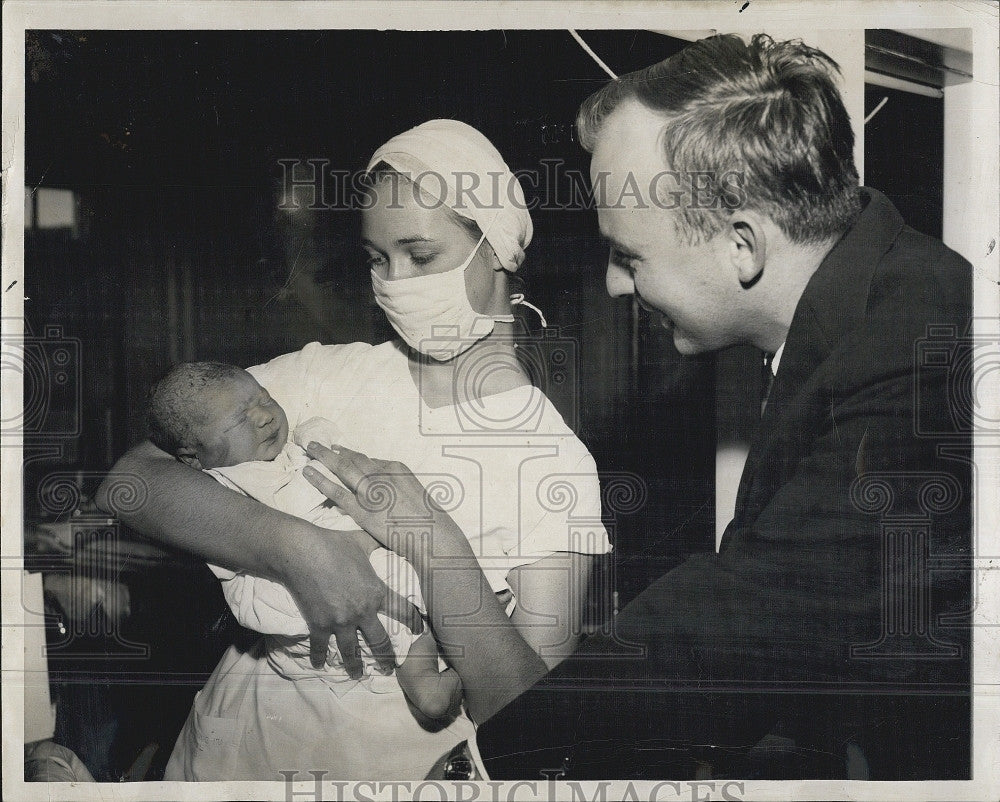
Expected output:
{"points": [[517, 299]]}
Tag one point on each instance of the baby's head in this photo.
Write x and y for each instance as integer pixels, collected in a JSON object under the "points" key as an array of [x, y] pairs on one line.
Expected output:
{"points": [[212, 415]]}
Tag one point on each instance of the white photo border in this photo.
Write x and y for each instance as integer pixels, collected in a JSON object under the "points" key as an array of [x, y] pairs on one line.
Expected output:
{"points": [[979, 206]]}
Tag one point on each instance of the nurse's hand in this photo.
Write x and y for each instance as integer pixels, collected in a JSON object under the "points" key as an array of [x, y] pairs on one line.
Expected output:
{"points": [[338, 593], [377, 494]]}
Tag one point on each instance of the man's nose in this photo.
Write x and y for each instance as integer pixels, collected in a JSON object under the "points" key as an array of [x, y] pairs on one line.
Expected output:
{"points": [[619, 281]]}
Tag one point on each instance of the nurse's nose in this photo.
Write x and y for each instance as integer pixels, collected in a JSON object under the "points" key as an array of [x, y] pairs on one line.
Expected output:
{"points": [[619, 281], [395, 269]]}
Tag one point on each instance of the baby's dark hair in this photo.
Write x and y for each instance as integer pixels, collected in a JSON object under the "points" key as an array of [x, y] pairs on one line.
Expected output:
{"points": [[175, 402]]}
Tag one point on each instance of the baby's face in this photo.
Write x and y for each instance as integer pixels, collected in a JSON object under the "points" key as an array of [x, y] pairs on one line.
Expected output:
{"points": [[242, 423]]}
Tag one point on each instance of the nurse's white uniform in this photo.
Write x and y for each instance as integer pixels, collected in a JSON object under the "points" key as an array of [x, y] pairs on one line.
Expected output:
{"points": [[507, 469]]}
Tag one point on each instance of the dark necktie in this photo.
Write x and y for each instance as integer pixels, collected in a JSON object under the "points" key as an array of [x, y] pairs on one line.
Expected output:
{"points": [[767, 381]]}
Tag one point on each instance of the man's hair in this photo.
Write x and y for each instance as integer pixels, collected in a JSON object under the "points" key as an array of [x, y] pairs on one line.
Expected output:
{"points": [[769, 111], [176, 402]]}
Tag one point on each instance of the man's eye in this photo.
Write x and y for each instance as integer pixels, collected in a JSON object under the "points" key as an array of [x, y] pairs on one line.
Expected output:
{"points": [[623, 260]]}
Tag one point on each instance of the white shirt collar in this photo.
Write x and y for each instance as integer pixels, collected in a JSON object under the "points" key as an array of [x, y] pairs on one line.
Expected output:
{"points": [[775, 359]]}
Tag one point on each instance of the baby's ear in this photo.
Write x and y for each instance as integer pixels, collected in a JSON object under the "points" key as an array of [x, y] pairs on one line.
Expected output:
{"points": [[189, 457]]}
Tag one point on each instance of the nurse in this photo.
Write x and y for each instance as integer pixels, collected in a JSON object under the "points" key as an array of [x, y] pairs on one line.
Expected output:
{"points": [[513, 507]]}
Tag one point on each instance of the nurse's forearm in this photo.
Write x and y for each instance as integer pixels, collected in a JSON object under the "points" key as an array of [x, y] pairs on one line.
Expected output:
{"points": [[188, 510], [478, 640]]}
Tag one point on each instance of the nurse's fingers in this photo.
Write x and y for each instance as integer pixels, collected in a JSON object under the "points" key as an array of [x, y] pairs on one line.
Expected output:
{"points": [[347, 644], [319, 645], [403, 611], [348, 466], [378, 641]]}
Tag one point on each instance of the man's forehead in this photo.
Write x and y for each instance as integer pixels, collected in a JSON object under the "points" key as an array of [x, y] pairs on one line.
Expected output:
{"points": [[626, 161], [628, 140]]}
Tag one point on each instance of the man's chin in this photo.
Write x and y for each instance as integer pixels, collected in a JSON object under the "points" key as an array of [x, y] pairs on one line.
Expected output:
{"points": [[685, 345]]}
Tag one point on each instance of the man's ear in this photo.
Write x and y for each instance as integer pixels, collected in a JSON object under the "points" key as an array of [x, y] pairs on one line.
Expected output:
{"points": [[189, 457], [747, 243]]}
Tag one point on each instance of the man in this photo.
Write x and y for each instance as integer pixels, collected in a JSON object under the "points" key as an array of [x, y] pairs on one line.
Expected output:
{"points": [[786, 629], [729, 196]]}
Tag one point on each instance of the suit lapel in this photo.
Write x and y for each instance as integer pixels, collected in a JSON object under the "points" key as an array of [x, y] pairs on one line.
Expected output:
{"points": [[833, 304]]}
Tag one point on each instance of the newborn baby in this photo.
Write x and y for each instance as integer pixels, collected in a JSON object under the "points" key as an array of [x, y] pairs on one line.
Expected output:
{"points": [[212, 415], [217, 418]]}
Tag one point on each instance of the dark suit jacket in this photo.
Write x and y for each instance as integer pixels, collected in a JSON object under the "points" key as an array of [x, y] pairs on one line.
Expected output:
{"points": [[822, 613]]}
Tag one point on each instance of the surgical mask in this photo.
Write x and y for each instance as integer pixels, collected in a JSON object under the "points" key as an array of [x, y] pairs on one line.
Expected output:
{"points": [[432, 312]]}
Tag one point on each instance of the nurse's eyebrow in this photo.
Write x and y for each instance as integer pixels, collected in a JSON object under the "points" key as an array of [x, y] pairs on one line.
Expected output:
{"points": [[409, 240]]}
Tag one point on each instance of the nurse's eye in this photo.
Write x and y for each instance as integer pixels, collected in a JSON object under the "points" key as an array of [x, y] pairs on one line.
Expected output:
{"points": [[422, 259], [375, 260]]}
